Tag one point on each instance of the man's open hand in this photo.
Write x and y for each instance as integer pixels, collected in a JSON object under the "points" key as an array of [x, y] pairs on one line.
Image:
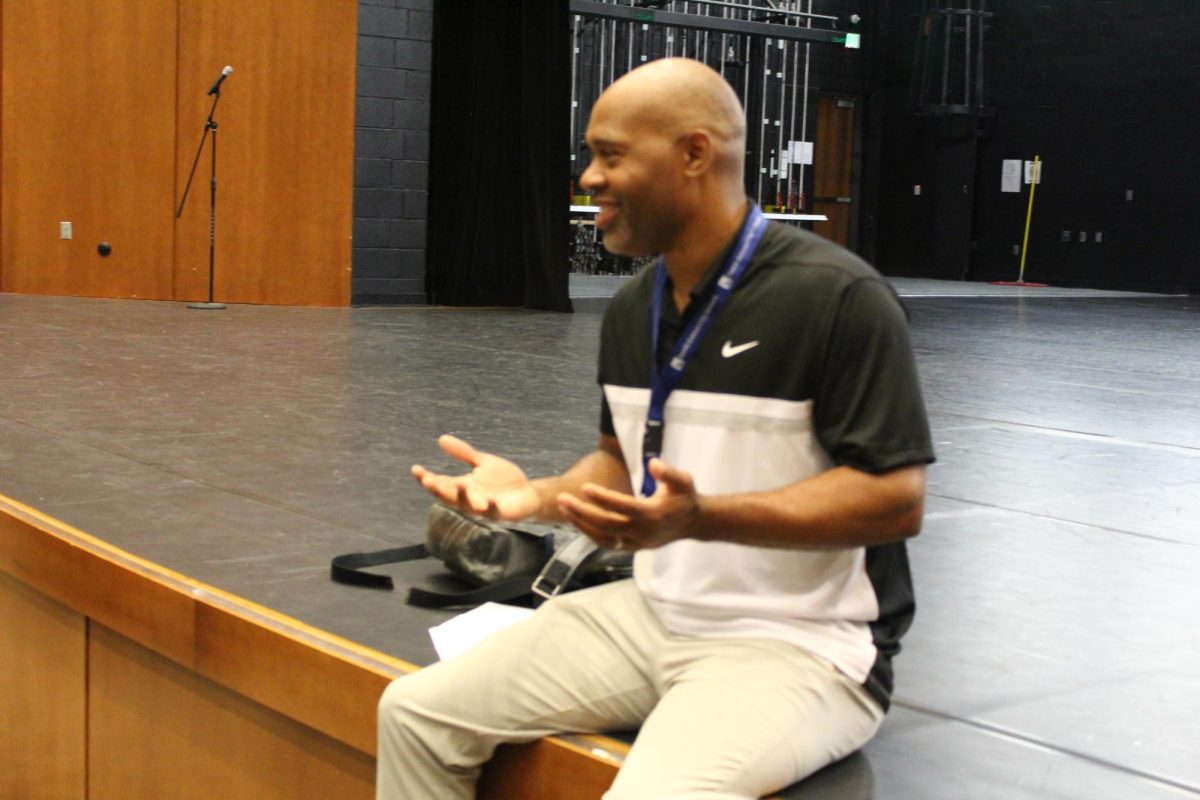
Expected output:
{"points": [[495, 487]]}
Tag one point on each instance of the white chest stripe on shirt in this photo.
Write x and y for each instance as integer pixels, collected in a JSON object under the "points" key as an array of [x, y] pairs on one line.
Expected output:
{"points": [[728, 411]]}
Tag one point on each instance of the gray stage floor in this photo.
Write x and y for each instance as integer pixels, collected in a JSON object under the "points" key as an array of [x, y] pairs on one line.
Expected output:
{"points": [[1056, 650]]}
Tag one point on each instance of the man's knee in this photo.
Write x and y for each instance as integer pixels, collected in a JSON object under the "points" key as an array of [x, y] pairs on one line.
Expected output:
{"points": [[405, 712], [420, 752], [393, 703], [413, 727], [409, 702], [397, 723]]}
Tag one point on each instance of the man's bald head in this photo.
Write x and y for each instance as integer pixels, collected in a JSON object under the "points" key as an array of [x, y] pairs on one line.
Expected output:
{"points": [[676, 96], [668, 142]]}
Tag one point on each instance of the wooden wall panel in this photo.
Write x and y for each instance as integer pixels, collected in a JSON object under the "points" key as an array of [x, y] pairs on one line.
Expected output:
{"points": [[286, 149], [42, 678], [89, 121], [103, 106], [189, 738]]}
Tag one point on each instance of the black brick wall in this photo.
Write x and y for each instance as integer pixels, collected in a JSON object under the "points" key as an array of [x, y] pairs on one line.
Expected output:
{"points": [[391, 151]]}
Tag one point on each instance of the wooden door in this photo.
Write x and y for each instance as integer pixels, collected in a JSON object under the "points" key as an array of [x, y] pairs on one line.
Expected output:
{"points": [[833, 168], [285, 171], [89, 112]]}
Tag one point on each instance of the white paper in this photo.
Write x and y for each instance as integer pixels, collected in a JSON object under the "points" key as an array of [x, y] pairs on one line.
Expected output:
{"points": [[1029, 172], [1010, 175], [463, 632], [800, 152]]}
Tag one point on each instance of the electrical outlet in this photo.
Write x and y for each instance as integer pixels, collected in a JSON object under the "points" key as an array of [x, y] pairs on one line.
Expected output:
{"points": [[1065, 236], [1099, 237], [1083, 236], [64, 230], [1016, 249]]}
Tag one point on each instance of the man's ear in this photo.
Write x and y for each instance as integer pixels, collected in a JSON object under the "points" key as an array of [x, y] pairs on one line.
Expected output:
{"points": [[698, 153]]}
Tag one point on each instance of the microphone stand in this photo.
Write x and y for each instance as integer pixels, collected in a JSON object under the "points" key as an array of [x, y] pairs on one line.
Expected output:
{"points": [[209, 125]]}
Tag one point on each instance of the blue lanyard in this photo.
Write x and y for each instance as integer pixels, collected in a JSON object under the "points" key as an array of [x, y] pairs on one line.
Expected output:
{"points": [[663, 382]]}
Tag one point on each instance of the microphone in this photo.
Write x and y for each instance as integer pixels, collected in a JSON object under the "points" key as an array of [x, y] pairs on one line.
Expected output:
{"points": [[225, 73]]}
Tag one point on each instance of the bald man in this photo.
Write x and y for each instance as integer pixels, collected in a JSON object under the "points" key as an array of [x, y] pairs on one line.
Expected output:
{"points": [[762, 450]]}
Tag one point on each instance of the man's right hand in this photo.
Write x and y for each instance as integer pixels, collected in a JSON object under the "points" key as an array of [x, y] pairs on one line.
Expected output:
{"points": [[495, 487]]}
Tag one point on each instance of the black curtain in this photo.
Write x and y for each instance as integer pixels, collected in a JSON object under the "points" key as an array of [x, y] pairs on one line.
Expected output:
{"points": [[499, 178]]}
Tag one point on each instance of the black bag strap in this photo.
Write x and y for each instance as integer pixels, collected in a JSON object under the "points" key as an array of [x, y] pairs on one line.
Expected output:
{"points": [[556, 576], [500, 592], [349, 568]]}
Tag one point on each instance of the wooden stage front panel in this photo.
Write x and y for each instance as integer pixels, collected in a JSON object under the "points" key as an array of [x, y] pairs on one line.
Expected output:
{"points": [[157, 729], [121, 679], [42, 695]]}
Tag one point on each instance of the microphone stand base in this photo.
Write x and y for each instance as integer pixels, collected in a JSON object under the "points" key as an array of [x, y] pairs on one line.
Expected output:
{"points": [[212, 306]]}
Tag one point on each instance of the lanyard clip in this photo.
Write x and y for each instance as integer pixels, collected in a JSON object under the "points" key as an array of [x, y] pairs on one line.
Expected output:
{"points": [[652, 439]]}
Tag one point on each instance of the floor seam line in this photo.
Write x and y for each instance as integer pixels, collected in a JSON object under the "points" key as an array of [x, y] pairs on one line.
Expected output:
{"points": [[1008, 733], [1053, 518]]}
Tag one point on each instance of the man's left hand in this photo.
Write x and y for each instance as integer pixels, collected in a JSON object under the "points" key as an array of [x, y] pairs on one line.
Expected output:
{"points": [[621, 521]]}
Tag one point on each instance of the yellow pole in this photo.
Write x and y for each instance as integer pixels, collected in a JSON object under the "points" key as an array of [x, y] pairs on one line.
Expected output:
{"points": [[1037, 171]]}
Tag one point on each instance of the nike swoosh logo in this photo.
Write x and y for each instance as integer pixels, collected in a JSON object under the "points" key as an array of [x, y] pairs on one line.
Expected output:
{"points": [[730, 349]]}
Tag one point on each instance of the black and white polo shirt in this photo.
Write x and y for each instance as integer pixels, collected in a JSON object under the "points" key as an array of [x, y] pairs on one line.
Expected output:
{"points": [[808, 366]]}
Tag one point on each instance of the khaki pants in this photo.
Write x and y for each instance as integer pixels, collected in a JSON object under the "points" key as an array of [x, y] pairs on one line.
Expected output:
{"points": [[719, 718]]}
